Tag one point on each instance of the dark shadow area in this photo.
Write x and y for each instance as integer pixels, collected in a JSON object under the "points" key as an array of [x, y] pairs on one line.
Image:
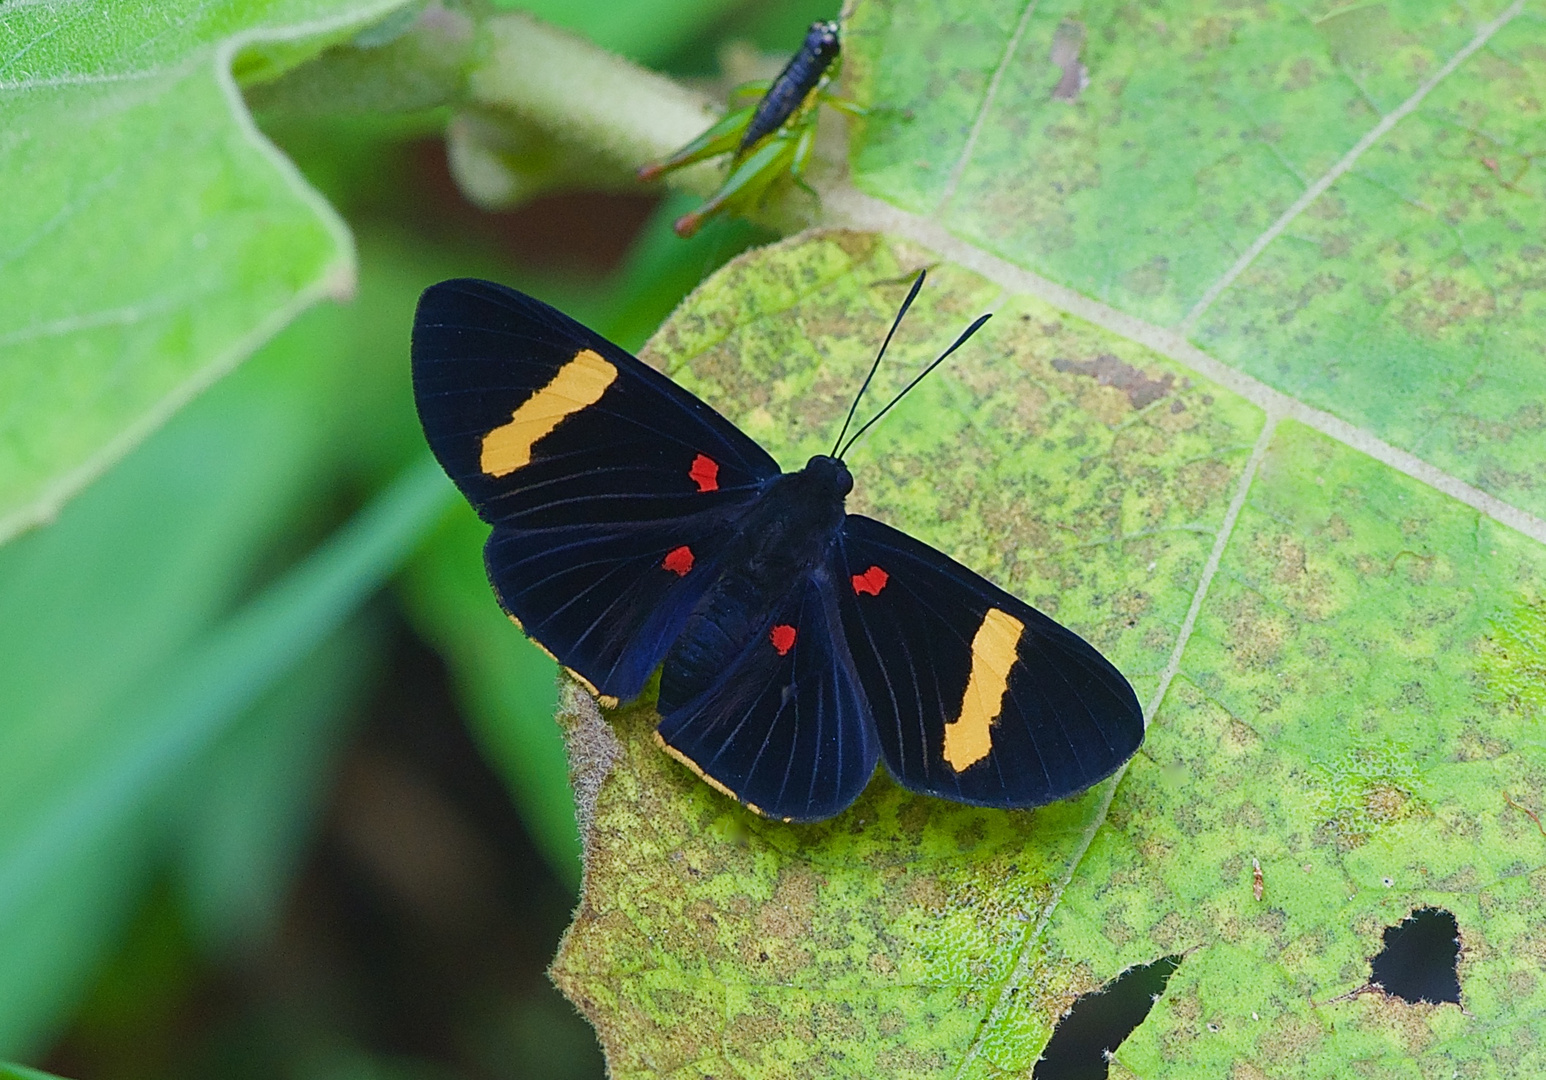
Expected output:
{"points": [[584, 234], [1098, 1022], [1418, 962], [415, 940]]}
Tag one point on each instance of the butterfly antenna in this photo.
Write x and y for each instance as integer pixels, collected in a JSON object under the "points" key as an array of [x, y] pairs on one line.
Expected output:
{"points": [[968, 332], [912, 294]]}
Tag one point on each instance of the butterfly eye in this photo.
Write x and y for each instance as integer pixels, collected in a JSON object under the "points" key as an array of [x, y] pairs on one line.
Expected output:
{"points": [[704, 473]]}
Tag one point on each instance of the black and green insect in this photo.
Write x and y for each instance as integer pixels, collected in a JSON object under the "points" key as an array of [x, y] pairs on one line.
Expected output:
{"points": [[770, 139], [635, 527]]}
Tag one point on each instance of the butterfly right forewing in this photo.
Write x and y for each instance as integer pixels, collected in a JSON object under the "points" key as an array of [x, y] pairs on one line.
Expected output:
{"points": [[976, 695]]}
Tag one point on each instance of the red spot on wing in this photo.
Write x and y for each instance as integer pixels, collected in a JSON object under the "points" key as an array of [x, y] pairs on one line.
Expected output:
{"points": [[783, 636], [704, 473], [871, 581], [679, 560]]}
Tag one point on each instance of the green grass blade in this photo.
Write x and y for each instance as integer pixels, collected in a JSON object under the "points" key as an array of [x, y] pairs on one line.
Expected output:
{"points": [[182, 712]]}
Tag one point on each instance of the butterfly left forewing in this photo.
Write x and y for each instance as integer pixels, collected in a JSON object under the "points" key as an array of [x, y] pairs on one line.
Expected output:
{"points": [[610, 488], [977, 696], [513, 394]]}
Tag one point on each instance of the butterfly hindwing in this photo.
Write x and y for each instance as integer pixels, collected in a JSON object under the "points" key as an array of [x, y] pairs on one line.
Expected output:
{"points": [[771, 712], [976, 696], [611, 489]]}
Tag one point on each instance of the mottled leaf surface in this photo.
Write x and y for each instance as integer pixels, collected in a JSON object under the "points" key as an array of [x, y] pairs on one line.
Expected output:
{"points": [[150, 237], [1344, 201], [1354, 704]]}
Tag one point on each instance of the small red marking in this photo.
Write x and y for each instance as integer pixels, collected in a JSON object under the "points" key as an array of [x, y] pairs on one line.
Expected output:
{"points": [[871, 581], [704, 473], [679, 561], [782, 638]]}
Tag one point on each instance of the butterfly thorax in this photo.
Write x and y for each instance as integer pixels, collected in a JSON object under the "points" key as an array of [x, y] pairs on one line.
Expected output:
{"points": [[785, 535]]}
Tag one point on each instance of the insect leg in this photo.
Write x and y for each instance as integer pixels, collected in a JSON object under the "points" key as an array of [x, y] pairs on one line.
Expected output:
{"points": [[844, 105], [802, 156], [722, 138], [745, 184]]}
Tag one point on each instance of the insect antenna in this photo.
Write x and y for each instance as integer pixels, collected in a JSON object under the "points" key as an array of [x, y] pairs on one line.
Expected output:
{"points": [[911, 295], [968, 332]]}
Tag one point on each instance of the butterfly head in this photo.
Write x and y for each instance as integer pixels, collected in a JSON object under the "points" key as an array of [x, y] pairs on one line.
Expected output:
{"points": [[829, 475]]}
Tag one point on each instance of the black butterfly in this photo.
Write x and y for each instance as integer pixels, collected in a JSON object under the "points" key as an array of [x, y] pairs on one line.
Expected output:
{"points": [[635, 526]]}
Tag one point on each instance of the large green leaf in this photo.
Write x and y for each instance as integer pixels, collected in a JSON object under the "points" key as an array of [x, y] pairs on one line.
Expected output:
{"points": [[150, 236], [1336, 659], [1336, 200]]}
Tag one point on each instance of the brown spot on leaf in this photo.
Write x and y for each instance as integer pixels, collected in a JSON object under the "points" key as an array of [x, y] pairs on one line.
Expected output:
{"points": [[1149, 279], [1109, 370], [1066, 45], [1386, 803], [1408, 1021], [1199, 483]]}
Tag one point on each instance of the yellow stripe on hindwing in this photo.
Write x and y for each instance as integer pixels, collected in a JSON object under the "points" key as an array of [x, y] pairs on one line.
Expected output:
{"points": [[578, 385], [969, 738]]}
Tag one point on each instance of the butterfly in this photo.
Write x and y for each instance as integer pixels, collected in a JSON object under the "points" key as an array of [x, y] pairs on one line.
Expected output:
{"points": [[635, 528]]}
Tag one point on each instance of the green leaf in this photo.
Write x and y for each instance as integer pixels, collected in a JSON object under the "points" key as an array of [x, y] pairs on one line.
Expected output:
{"points": [[151, 237], [21, 1072], [109, 698], [244, 819], [1337, 201], [102, 600], [1333, 654]]}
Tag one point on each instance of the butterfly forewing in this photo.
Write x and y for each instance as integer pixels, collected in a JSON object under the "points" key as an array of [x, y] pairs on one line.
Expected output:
{"points": [[610, 488], [778, 720], [976, 696]]}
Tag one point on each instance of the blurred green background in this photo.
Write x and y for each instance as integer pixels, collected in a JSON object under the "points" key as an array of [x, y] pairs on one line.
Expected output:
{"points": [[294, 803]]}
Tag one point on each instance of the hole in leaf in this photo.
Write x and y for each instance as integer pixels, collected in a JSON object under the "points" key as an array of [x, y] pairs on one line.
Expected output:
{"points": [[1419, 957], [1098, 1022]]}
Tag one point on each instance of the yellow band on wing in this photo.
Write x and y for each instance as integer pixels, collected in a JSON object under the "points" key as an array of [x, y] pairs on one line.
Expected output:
{"points": [[969, 737], [578, 385]]}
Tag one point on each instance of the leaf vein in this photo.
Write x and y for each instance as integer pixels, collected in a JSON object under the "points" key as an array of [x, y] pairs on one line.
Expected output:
{"points": [[1319, 188], [988, 97]]}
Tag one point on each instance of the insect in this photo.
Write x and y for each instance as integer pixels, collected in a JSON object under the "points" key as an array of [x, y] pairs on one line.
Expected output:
{"points": [[635, 528], [772, 138]]}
